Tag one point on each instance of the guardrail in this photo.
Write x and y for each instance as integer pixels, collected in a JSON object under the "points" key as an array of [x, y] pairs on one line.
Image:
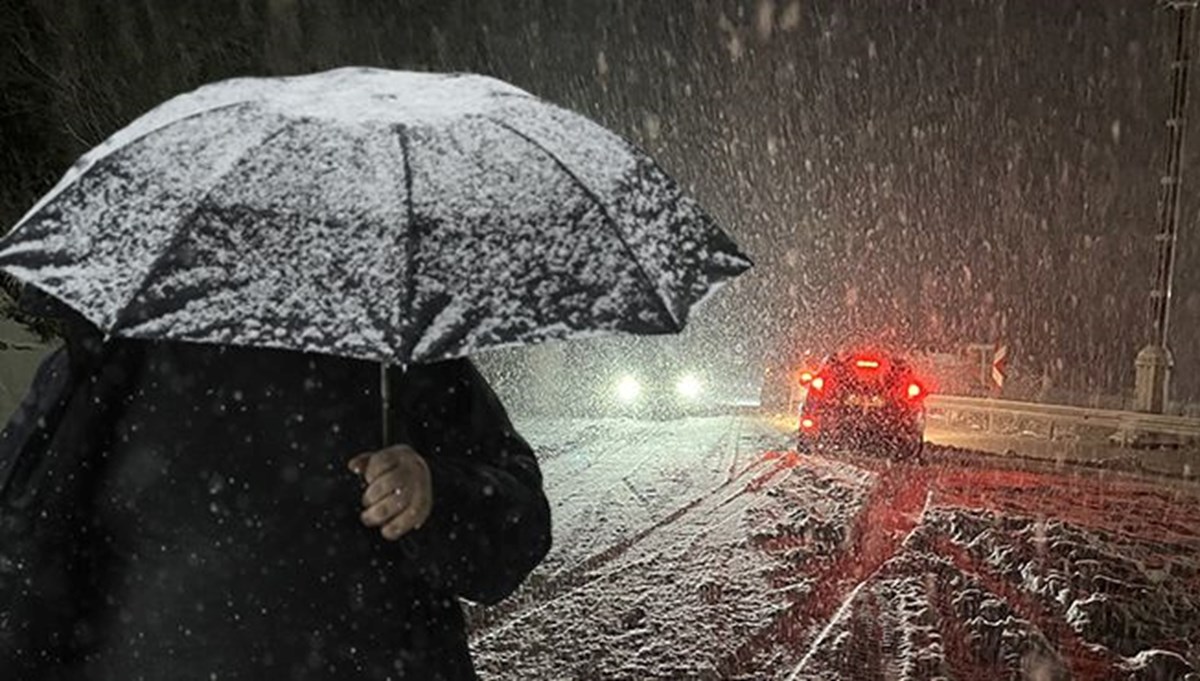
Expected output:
{"points": [[1119, 421]]}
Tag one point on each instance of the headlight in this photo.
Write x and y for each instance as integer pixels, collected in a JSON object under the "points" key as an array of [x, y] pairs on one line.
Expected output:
{"points": [[628, 389], [689, 386]]}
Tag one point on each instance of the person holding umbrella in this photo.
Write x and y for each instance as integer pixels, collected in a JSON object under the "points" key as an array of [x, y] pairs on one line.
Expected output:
{"points": [[201, 516], [262, 453]]}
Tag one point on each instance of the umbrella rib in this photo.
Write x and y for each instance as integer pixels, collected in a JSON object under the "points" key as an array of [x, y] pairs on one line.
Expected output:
{"points": [[63, 183], [612, 223], [123, 314], [411, 237]]}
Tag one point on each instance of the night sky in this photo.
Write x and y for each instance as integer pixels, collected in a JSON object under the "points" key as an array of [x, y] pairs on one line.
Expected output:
{"points": [[926, 174]]}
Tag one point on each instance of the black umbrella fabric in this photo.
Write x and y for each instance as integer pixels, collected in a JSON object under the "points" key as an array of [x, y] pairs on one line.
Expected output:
{"points": [[383, 215]]}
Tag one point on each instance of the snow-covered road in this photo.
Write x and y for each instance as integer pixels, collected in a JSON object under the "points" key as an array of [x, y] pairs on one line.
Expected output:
{"points": [[701, 548], [612, 478]]}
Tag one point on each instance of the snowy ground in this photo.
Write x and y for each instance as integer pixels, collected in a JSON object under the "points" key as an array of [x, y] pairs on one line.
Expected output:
{"points": [[700, 548]]}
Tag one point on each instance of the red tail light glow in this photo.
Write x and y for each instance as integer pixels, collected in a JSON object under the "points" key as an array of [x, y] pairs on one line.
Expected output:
{"points": [[806, 377], [807, 423], [817, 383], [867, 364], [914, 391]]}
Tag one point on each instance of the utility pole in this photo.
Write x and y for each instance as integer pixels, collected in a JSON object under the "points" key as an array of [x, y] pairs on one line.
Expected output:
{"points": [[1154, 362]]}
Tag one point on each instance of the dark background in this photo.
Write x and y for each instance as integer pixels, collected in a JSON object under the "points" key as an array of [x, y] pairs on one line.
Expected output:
{"points": [[927, 174]]}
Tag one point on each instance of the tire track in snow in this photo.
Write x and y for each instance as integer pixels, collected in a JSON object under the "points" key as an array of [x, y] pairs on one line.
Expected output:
{"points": [[596, 499], [893, 510], [961, 660], [667, 607], [541, 592], [731, 475], [1085, 661], [558, 453], [966, 487], [543, 588]]}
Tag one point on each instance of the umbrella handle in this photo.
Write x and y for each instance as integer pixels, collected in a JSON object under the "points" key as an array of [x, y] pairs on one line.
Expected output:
{"points": [[393, 423], [385, 403]]}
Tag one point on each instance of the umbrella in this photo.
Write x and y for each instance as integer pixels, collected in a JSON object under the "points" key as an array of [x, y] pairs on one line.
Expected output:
{"points": [[391, 216]]}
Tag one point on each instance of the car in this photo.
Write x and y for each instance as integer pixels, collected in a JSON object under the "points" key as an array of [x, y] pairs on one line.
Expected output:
{"points": [[652, 378], [658, 389], [863, 401]]}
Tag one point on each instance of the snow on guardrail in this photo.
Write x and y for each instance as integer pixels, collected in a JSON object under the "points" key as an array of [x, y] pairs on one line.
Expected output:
{"points": [[1181, 426]]}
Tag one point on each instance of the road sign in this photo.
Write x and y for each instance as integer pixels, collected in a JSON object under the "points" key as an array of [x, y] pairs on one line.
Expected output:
{"points": [[1000, 365]]}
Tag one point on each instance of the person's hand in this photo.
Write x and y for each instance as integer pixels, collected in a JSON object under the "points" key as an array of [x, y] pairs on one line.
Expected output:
{"points": [[399, 494]]}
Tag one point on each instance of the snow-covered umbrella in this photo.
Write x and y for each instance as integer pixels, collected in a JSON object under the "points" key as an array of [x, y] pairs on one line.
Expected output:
{"points": [[383, 215]]}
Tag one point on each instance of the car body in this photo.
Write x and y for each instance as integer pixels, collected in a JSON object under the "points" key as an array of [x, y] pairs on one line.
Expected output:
{"points": [[863, 401]]}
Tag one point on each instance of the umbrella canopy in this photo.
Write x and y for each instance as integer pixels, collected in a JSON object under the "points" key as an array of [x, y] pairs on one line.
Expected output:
{"points": [[383, 215]]}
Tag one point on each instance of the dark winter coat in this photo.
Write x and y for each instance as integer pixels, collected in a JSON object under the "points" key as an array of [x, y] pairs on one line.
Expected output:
{"points": [[174, 511]]}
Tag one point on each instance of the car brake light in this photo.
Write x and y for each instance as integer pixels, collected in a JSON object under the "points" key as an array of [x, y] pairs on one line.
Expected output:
{"points": [[914, 391], [806, 378], [866, 364], [807, 423], [817, 384]]}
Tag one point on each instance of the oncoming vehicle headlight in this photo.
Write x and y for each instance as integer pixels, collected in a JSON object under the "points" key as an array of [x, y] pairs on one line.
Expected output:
{"points": [[628, 389], [689, 386]]}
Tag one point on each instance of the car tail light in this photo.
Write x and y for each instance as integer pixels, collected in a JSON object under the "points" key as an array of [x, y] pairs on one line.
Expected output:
{"points": [[806, 377], [807, 423], [867, 364], [914, 391], [817, 383]]}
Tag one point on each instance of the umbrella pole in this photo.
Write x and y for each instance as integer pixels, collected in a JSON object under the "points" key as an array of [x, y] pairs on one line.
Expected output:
{"points": [[385, 394]]}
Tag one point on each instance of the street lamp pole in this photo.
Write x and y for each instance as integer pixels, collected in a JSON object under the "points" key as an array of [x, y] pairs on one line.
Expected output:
{"points": [[1154, 362]]}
